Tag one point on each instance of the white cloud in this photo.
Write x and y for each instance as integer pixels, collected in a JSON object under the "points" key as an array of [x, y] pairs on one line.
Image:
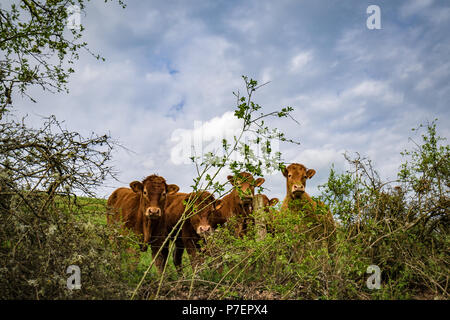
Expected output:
{"points": [[89, 73], [439, 15], [410, 70], [366, 89], [374, 89], [207, 137], [204, 137], [158, 77], [300, 60], [321, 157], [149, 22], [266, 75], [163, 54], [424, 84]]}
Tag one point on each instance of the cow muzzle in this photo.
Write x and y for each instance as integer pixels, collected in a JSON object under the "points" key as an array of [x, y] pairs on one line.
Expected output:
{"points": [[204, 230], [298, 190], [247, 200], [153, 213]]}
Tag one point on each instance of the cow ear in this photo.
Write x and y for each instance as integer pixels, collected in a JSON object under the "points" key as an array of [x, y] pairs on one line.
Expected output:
{"points": [[285, 172], [273, 202], [218, 204], [259, 182], [136, 186], [172, 188], [231, 179], [310, 173]]}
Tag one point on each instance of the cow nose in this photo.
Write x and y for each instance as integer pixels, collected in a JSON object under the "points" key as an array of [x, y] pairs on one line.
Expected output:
{"points": [[204, 229], [153, 212], [297, 187]]}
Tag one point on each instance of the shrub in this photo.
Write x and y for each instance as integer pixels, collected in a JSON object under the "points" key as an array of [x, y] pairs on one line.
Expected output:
{"points": [[43, 227], [402, 229]]}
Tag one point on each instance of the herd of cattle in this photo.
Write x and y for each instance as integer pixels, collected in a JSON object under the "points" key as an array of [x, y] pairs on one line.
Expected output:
{"points": [[153, 209]]}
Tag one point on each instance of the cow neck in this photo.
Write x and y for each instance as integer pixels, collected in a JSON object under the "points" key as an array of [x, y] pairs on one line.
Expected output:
{"points": [[140, 210], [141, 203], [305, 197], [237, 202], [291, 196]]}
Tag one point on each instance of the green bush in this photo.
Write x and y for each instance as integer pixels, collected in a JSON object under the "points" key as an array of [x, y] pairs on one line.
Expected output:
{"points": [[45, 227], [402, 228], [35, 254]]}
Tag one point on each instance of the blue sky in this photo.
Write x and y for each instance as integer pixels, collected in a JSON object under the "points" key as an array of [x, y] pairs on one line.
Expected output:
{"points": [[172, 65]]}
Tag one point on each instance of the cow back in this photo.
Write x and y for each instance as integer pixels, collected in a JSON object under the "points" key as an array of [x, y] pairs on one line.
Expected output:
{"points": [[123, 206]]}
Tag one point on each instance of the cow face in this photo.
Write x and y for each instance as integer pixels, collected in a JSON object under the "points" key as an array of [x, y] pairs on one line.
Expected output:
{"points": [[269, 203], [296, 175], [203, 210], [245, 185], [153, 191]]}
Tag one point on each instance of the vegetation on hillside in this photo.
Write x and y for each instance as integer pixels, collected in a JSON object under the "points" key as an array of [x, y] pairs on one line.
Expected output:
{"points": [[45, 226], [400, 226]]}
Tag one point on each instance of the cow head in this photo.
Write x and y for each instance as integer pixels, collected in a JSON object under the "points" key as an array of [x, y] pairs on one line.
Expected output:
{"points": [[269, 203], [245, 185], [296, 175], [204, 208], [153, 191]]}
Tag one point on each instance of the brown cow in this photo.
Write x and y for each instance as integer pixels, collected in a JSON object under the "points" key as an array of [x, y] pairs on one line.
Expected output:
{"points": [[198, 208], [296, 175], [269, 203], [238, 203], [140, 207]]}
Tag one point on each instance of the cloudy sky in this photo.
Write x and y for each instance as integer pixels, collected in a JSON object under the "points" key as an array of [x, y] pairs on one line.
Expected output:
{"points": [[171, 68]]}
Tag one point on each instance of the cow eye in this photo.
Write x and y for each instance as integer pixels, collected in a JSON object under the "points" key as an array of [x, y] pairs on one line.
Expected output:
{"points": [[289, 175], [145, 192]]}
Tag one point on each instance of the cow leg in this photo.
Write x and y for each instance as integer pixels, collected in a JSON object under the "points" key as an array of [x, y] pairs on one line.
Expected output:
{"points": [[142, 244], [192, 250], [178, 255], [161, 258], [147, 234]]}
